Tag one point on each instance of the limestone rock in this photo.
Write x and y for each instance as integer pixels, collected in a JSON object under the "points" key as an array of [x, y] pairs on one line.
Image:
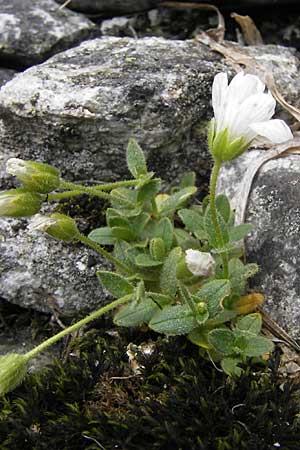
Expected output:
{"points": [[111, 7], [31, 31], [6, 75], [78, 110], [273, 209], [41, 273]]}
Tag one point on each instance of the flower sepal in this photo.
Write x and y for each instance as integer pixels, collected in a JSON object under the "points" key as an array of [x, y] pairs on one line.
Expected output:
{"points": [[57, 225], [35, 176], [19, 203], [221, 147]]}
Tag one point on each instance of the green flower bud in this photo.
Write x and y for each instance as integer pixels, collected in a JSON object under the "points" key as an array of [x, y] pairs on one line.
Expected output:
{"points": [[13, 368], [19, 203], [222, 147], [56, 225], [35, 176]]}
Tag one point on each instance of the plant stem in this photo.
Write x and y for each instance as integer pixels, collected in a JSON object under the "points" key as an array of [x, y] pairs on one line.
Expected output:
{"points": [[185, 294], [83, 189], [103, 252], [63, 195], [98, 187], [77, 325], [214, 216]]}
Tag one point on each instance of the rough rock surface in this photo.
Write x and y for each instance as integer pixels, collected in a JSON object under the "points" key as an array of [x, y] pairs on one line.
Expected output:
{"points": [[273, 209], [78, 110], [111, 6], [6, 75], [47, 275], [31, 31]]}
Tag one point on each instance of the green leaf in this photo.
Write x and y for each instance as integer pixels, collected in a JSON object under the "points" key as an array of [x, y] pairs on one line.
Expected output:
{"points": [[118, 221], [136, 314], [160, 299], [117, 285], [238, 274], [149, 190], [223, 207], [135, 158], [250, 270], [240, 231], [199, 336], [251, 323], [184, 239], [230, 366], [257, 346], [192, 220], [188, 179], [121, 252], [164, 229], [145, 260], [123, 197], [125, 234], [173, 320], [223, 340], [213, 293], [139, 222], [102, 236], [210, 230], [168, 279], [175, 201]]}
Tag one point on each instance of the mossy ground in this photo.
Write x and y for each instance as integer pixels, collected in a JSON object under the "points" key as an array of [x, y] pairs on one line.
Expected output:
{"points": [[91, 399]]}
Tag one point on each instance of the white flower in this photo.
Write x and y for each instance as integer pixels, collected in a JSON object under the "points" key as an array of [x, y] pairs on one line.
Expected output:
{"points": [[199, 263], [40, 223], [16, 166], [242, 113]]}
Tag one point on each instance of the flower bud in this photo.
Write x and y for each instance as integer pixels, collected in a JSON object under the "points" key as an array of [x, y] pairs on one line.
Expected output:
{"points": [[19, 203], [35, 176], [199, 263], [13, 368], [56, 225]]}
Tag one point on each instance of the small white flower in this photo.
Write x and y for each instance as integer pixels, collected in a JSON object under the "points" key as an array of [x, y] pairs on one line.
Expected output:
{"points": [[16, 166], [40, 223], [243, 111], [199, 263]]}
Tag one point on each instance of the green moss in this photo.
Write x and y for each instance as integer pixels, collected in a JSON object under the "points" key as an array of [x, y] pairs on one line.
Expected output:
{"points": [[179, 402]]}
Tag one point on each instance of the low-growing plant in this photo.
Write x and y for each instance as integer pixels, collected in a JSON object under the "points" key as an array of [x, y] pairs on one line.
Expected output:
{"points": [[178, 265]]}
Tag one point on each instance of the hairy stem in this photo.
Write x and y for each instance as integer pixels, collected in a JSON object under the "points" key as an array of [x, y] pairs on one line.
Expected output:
{"points": [[99, 187], [103, 252], [77, 325], [214, 216]]}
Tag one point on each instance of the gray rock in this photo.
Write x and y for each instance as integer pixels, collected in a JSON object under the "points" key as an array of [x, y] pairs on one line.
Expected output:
{"points": [[77, 112], [41, 273], [273, 209], [6, 75], [112, 7], [31, 31], [79, 109], [118, 26]]}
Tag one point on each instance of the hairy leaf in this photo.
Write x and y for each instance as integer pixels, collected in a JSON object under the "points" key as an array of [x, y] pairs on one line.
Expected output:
{"points": [[117, 285]]}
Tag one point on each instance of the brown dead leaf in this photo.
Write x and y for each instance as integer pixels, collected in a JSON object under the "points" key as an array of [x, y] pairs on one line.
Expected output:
{"points": [[217, 34], [250, 32]]}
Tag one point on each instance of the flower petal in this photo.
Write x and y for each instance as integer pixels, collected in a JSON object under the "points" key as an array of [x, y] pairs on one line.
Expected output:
{"points": [[256, 108], [243, 86], [219, 92], [275, 131]]}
